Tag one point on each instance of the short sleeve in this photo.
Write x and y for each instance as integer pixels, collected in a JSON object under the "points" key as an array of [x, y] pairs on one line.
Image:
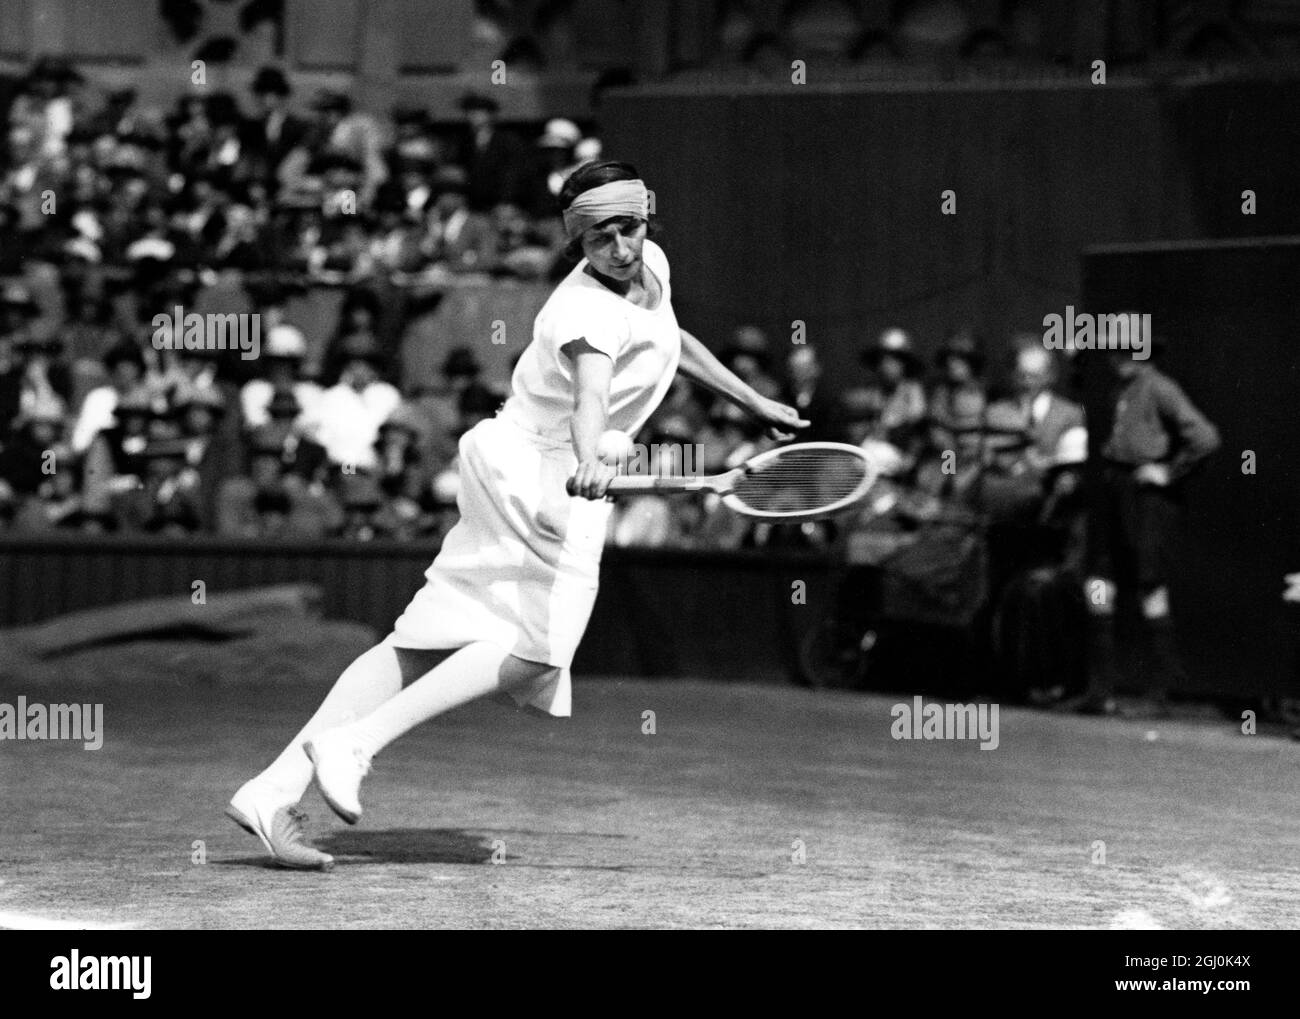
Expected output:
{"points": [[583, 314], [657, 260]]}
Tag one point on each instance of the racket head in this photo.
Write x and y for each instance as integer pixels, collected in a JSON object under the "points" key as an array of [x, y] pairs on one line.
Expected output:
{"points": [[802, 481]]}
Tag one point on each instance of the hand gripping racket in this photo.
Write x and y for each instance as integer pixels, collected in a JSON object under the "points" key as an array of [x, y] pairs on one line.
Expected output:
{"points": [[804, 481]]}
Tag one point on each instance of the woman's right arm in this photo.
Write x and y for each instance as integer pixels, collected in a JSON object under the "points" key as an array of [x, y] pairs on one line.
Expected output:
{"points": [[593, 372]]}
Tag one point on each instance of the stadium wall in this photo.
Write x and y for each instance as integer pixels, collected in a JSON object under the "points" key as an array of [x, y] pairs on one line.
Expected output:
{"points": [[726, 616]]}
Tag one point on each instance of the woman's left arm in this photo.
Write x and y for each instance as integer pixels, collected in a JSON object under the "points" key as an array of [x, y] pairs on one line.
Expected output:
{"points": [[700, 366]]}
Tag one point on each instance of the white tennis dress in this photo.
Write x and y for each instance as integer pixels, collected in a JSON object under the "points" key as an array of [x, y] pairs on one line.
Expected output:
{"points": [[521, 567]]}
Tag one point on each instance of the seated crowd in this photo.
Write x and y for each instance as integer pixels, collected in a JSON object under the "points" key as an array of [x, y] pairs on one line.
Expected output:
{"points": [[122, 210]]}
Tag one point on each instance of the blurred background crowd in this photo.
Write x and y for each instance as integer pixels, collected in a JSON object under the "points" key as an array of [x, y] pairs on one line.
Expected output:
{"points": [[323, 436], [317, 436]]}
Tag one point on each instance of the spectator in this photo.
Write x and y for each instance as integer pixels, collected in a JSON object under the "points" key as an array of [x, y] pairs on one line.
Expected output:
{"points": [[125, 365], [35, 451], [167, 502], [273, 133], [894, 398], [274, 501], [353, 134], [519, 247], [555, 161], [1053, 429], [440, 409], [346, 419], [806, 390], [496, 160], [283, 351], [958, 400], [457, 238]]}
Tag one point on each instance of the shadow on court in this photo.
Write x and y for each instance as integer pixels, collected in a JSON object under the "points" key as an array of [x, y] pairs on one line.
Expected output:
{"points": [[407, 845]]}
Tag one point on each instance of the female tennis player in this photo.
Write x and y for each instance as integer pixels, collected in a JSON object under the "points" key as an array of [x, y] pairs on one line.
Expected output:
{"points": [[508, 597]]}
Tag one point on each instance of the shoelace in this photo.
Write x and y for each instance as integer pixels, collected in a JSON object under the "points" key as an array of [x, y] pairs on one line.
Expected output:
{"points": [[299, 817]]}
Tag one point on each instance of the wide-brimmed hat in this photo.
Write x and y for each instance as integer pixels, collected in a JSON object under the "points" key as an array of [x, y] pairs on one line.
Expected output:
{"points": [[895, 342], [15, 296], [478, 101], [461, 361], [327, 100], [963, 344], [408, 113], [286, 341], [270, 81], [559, 133], [283, 404]]}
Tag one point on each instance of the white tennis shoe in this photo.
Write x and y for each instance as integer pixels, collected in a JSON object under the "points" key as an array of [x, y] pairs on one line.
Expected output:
{"points": [[340, 764], [278, 825]]}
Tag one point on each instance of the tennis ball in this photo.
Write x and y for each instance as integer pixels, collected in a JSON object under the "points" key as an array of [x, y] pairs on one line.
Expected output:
{"points": [[613, 447]]}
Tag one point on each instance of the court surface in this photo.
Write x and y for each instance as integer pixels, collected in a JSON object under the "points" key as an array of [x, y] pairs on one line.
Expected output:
{"points": [[748, 806]]}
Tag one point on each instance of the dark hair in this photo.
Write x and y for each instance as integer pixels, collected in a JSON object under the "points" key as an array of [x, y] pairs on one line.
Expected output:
{"points": [[585, 178]]}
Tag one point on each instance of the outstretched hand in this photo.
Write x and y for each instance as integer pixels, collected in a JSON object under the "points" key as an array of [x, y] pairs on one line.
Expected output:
{"points": [[782, 421]]}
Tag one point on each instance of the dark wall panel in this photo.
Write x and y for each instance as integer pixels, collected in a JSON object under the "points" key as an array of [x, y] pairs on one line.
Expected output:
{"points": [[823, 204], [1230, 314]]}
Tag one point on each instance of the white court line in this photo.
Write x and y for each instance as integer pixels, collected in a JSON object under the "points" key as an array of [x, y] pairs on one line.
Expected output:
{"points": [[27, 922]]}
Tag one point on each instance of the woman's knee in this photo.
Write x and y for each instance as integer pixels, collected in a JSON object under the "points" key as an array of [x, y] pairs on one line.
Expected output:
{"points": [[516, 671]]}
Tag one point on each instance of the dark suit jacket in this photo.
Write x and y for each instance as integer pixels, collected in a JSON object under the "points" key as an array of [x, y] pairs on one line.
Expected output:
{"points": [[266, 154], [496, 172]]}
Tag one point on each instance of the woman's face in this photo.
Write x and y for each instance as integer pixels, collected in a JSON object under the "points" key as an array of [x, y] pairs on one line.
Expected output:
{"points": [[613, 248]]}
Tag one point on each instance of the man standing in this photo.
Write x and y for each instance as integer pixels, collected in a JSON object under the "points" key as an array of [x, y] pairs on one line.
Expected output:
{"points": [[273, 133], [1157, 437], [497, 160]]}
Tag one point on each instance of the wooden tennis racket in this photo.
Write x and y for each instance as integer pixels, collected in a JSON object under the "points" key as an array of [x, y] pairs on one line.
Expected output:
{"points": [[804, 481]]}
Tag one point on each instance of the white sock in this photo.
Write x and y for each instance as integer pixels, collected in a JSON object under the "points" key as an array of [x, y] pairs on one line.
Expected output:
{"points": [[473, 671], [371, 680]]}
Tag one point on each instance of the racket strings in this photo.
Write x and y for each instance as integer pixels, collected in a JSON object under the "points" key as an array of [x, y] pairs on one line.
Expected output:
{"points": [[802, 481]]}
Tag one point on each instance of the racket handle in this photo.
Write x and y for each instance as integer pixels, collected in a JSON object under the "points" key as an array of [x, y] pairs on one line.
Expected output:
{"points": [[626, 483], [654, 483]]}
